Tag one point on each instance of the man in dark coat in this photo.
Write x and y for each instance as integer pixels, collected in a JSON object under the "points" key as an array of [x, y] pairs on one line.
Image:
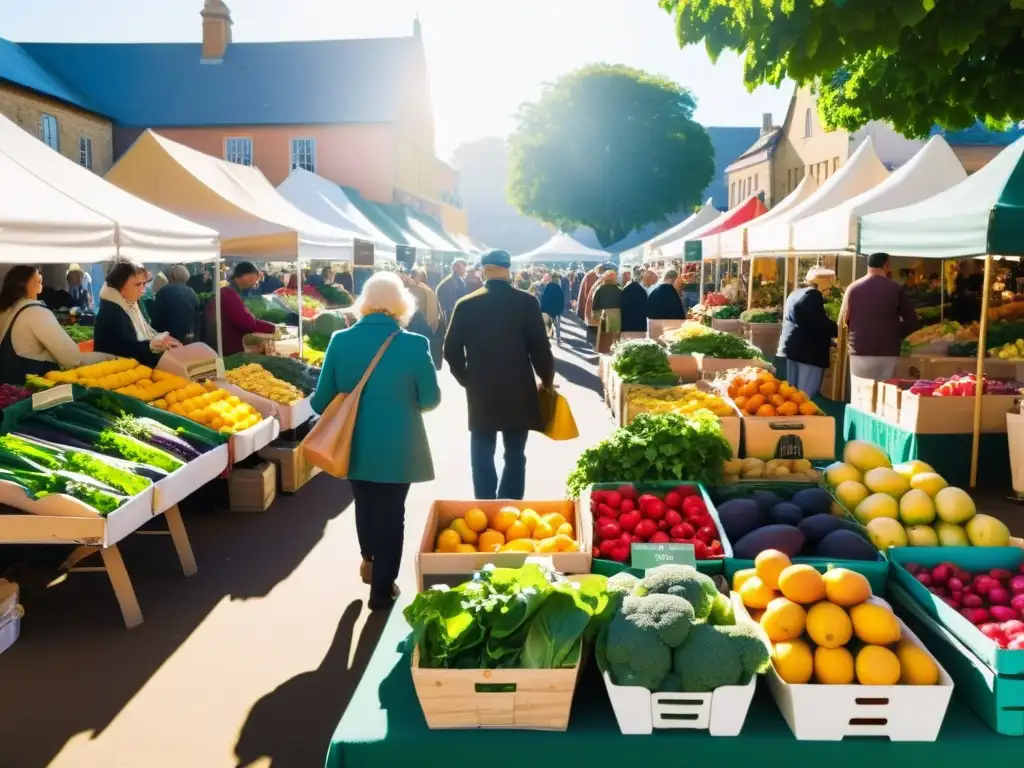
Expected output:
{"points": [[451, 289], [176, 308], [807, 333], [497, 348], [634, 304], [664, 302]]}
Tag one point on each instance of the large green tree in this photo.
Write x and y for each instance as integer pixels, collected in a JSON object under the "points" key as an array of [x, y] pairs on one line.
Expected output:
{"points": [[611, 148], [910, 62]]}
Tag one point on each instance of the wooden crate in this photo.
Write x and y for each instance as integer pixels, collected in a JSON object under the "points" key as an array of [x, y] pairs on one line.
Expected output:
{"points": [[656, 328], [514, 699], [295, 471], [684, 366], [735, 327], [764, 336], [252, 490]]}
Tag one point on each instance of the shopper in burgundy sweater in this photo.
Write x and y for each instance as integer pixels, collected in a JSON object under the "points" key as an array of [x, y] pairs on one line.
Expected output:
{"points": [[236, 319]]}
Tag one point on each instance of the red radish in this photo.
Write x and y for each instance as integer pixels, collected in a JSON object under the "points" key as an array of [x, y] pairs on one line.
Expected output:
{"points": [[627, 492], [716, 547], [957, 596], [608, 529], [626, 537], [612, 499], [937, 591], [968, 589], [646, 499], [982, 584], [663, 525], [678, 532], [1017, 601], [608, 547], [656, 509], [605, 511], [925, 578], [1000, 574], [972, 601], [991, 630], [706, 534], [672, 517], [954, 584], [645, 529], [1013, 627], [975, 615], [951, 603], [700, 550], [621, 553], [673, 500], [999, 596], [660, 538], [1016, 644], [693, 504], [688, 531], [941, 573], [686, 491], [627, 505], [1002, 613], [964, 576], [676, 540], [597, 497], [1017, 584], [595, 505], [628, 520]]}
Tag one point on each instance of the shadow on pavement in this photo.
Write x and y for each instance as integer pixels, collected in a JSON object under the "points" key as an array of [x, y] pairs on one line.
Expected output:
{"points": [[293, 724], [574, 374], [75, 666]]}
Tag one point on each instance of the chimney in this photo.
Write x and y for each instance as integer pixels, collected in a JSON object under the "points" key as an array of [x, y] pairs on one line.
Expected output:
{"points": [[216, 30], [417, 30], [766, 123]]}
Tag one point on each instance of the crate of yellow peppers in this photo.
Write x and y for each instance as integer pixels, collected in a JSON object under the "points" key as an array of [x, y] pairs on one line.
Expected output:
{"points": [[684, 399]]}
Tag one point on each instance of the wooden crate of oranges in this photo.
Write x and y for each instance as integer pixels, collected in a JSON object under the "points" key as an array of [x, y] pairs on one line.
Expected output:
{"points": [[757, 392]]}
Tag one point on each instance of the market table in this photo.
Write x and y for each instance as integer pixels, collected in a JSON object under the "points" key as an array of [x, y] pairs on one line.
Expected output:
{"points": [[948, 454], [384, 725]]}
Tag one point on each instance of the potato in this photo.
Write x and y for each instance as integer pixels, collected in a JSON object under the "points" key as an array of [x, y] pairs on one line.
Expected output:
{"points": [[771, 465], [751, 464], [733, 467], [800, 465], [753, 472]]}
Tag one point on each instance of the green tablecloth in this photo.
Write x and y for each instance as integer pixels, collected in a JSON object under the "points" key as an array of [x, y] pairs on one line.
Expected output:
{"points": [[384, 726], [950, 455]]}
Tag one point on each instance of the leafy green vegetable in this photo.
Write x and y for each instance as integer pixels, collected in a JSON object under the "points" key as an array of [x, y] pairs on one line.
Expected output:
{"points": [[717, 344], [37, 485], [642, 361], [662, 446], [129, 448], [265, 310], [527, 617], [762, 315], [725, 312]]}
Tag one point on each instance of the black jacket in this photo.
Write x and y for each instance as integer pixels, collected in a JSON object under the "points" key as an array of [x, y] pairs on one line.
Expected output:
{"points": [[664, 303], [552, 300], [114, 334], [176, 310], [496, 342], [634, 308], [807, 332]]}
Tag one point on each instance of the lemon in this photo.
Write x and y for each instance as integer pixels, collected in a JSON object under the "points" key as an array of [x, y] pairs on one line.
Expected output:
{"points": [[916, 666], [504, 518], [828, 625], [755, 594], [877, 666], [529, 518], [466, 534], [783, 620], [769, 566], [833, 666], [476, 519], [793, 661], [518, 530], [448, 541], [875, 624]]}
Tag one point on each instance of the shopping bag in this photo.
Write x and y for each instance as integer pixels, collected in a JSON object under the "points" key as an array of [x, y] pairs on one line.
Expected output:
{"points": [[559, 423], [329, 443]]}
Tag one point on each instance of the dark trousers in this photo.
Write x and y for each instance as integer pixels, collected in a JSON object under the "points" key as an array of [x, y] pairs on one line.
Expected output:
{"points": [[485, 476], [380, 527]]}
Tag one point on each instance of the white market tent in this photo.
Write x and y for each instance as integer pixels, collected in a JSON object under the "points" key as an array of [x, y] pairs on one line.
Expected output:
{"points": [[54, 211], [675, 249], [562, 247], [860, 173], [253, 220], [732, 244], [703, 215], [326, 201], [933, 169]]}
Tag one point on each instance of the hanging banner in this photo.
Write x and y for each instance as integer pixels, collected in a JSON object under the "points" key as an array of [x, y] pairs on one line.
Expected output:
{"points": [[693, 251], [362, 253], [405, 255]]}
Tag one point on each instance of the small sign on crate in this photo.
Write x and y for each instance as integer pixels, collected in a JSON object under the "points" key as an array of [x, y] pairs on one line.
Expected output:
{"points": [[646, 556]]}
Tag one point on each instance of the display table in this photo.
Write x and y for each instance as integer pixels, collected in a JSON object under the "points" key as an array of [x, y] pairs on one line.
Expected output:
{"points": [[949, 455], [384, 725]]}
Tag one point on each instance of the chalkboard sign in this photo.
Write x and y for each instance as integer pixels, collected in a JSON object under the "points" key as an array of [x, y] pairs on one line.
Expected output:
{"points": [[406, 255], [362, 253]]}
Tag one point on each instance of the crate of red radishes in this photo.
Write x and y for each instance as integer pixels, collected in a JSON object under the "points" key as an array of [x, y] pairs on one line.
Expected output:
{"points": [[677, 515], [976, 593]]}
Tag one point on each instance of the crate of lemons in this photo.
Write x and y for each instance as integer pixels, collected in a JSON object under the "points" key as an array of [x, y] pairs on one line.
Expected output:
{"points": [[684, 399], [826, 628], [254, 378], [509, 529]]}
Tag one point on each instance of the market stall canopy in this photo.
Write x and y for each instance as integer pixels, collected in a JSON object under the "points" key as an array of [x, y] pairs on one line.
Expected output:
{"points": [[562, 247], [707, 246], [469, 247], [379, 219], [676, 248], [860, 173], [325, 201], [934, 168], [253, 220], [699, 218], [732, 244], [983, 214], [54, 211]]}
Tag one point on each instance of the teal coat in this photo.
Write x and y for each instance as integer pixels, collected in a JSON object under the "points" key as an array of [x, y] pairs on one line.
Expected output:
{"points": [[390, 442]]}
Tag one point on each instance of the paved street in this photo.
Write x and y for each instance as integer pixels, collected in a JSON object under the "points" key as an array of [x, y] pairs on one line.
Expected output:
{"points": [[251, 661]]}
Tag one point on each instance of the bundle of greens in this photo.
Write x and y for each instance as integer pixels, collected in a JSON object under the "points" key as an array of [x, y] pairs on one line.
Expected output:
{"points": [[525, 618], [642, 361], [79, 333], [36, 485], [762, 315], [265, 310], [832, 308], [335, 297], [663, 446], [725, 312], [717, 344]]}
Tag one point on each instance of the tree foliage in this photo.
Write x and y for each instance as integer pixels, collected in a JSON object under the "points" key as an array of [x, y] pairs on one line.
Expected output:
{"points": [[611, 148], [910, 62]]}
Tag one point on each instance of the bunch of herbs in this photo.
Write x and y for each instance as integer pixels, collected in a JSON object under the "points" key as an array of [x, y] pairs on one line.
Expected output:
{"points": [[642, 361]]}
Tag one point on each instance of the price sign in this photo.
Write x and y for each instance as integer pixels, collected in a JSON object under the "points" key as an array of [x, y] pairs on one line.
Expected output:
{"points": [[651, 555], [48, 398], [204, 369]]}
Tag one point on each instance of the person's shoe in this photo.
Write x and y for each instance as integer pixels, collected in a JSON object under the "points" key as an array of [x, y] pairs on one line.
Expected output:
{"points": [[366, 570], [385, 605]]}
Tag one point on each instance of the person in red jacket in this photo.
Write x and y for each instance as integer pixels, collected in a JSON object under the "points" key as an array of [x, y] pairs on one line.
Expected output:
{"points": [[236, 319]]}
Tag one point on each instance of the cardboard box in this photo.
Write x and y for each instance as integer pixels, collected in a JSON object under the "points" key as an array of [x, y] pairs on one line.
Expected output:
{"points": [[735, 327], [655, 328], [816, 436], [453, 568], [252, 490], [887, 401], [945, 367], [764, 336], [864, 394], [295, 471], [953, 415], [731, 426], [684, 366], [710, 367]]}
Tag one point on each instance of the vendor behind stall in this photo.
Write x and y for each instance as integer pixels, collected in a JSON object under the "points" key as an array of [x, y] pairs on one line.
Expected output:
{"points": [[176, 307], [31, 339], [79, 287], [120, 328], [236, 319]]}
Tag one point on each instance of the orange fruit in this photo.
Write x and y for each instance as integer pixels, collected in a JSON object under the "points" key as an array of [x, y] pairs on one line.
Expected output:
{"points": [[733, 390], [788, 409], [740, 401], [776, 400], [808, 409], [755, 402], [798, 397], [518, 530], [748, 390], [768, 388], [490, 541], [504, 518], [786, 389], [766, 410]]}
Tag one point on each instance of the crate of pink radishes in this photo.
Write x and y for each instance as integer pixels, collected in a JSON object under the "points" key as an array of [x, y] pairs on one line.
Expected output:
{"points": [[976, 593]]}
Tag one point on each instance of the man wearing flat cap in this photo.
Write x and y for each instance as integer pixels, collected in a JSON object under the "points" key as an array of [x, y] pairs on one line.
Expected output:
{"points": [[497, 348]]}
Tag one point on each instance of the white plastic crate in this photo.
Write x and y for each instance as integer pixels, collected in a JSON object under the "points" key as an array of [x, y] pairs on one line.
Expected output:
{"points": [[721, 713], [833, 712]]}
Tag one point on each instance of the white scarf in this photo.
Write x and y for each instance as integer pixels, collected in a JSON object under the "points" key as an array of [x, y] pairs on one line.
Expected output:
{"points": [[143, 332]]}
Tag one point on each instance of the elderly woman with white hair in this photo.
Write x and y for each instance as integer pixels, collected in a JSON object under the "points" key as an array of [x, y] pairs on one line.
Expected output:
{"points": [[390, 450], [176, 307]]}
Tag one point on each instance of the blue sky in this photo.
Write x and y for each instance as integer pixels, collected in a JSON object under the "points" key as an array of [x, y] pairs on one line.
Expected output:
{"points": [[485, 56]]}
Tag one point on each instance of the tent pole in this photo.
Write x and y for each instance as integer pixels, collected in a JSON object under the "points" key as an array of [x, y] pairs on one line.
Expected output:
{"points": [[700, 277], [750, 282], [785, 279], [942, 290], [298, 283], [216, 304], [980, 383]]}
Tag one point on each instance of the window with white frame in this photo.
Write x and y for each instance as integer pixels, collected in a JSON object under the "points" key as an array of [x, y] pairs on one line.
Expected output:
{"points": [[304, 154], [49, 131], [85, 152], [808, 123], [238, 150]]}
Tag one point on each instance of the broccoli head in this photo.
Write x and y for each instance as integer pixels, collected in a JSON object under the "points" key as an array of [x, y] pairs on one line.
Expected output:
{"points": [[622, 583], [683, 581], [714, 656], [669, 616], [722, 612], [636, 655]]}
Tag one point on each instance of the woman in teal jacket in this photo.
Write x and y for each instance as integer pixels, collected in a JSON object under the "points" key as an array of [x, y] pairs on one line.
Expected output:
{"points": [[389, 446]]}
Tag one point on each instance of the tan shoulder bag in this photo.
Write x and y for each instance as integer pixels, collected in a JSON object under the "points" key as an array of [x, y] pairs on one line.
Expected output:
{"points": [[329, 443]]}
